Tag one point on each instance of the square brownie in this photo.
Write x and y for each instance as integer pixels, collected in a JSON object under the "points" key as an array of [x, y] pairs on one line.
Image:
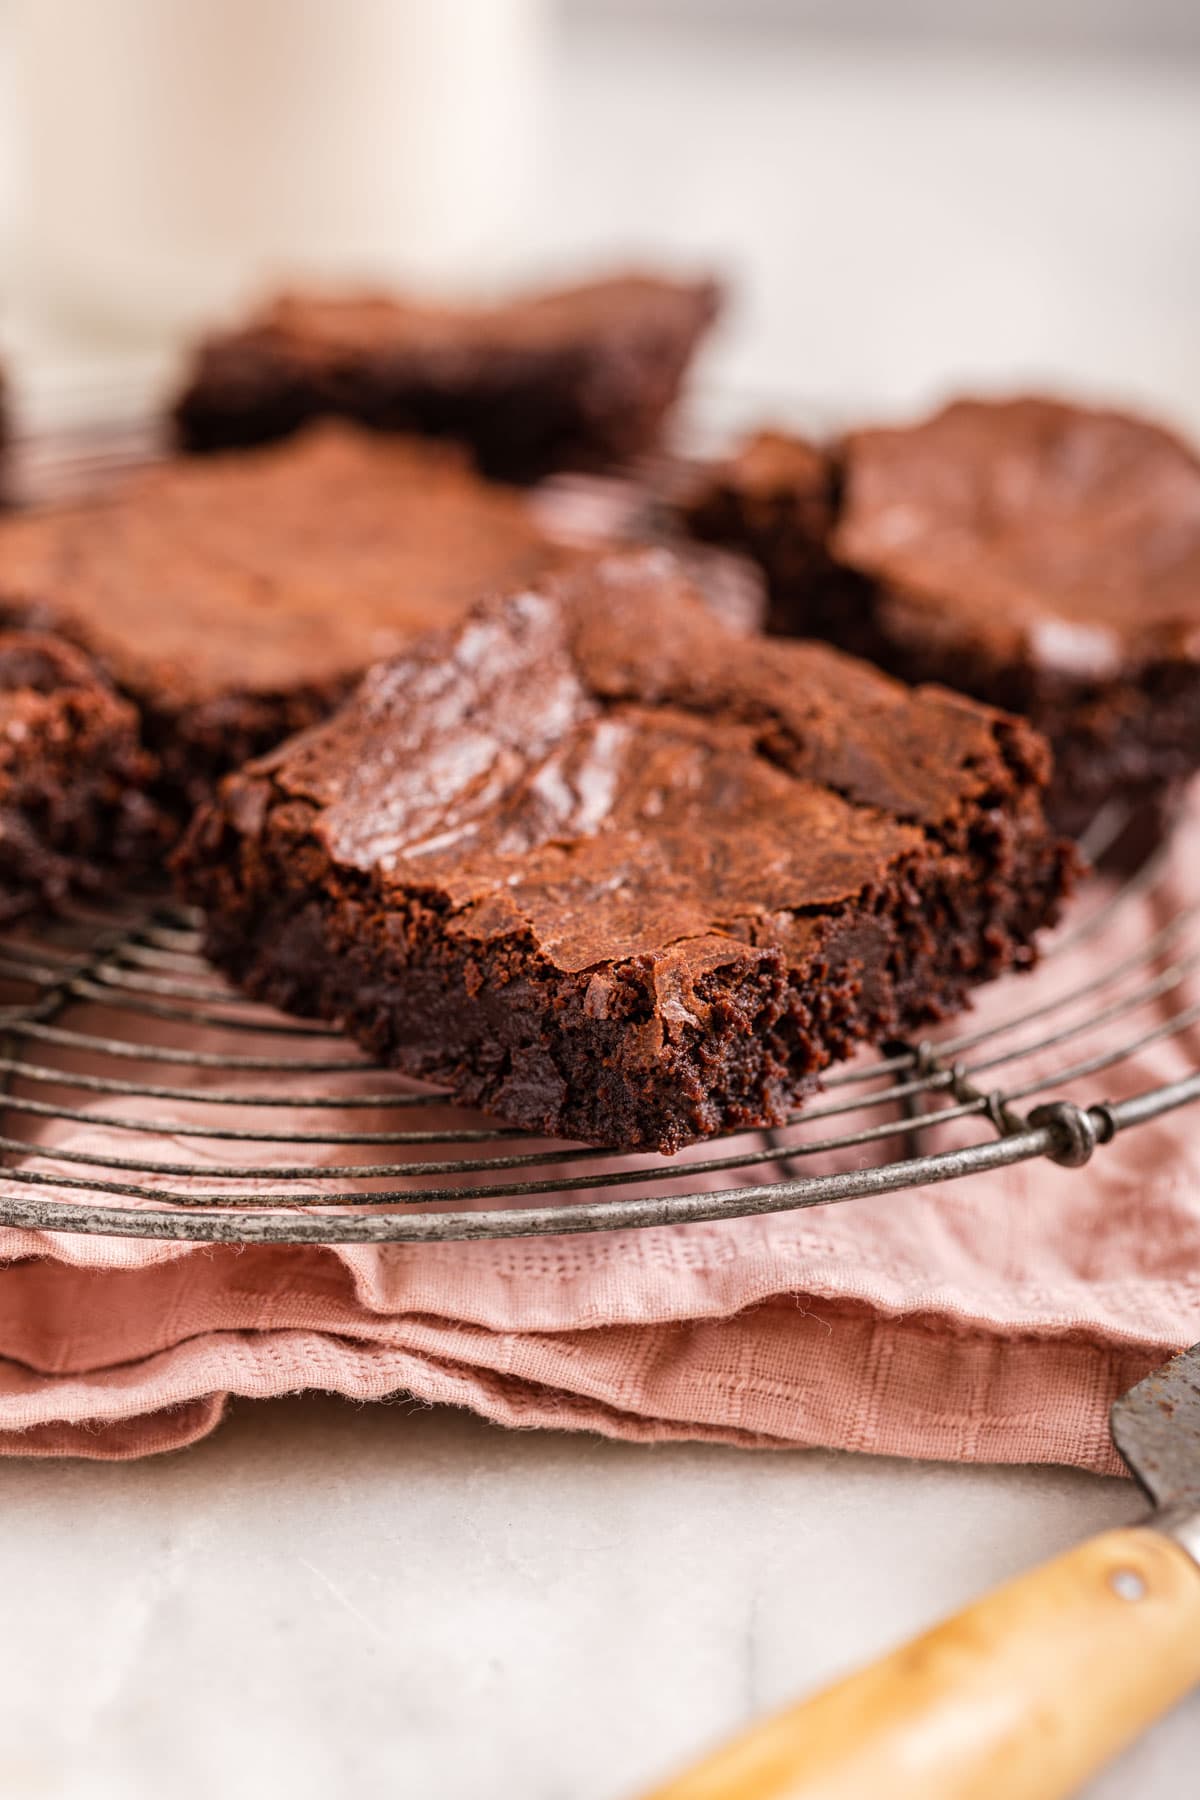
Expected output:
{"points": [[236, 599], [73, 778], [610, 871], [582, 376], [1041, 556]]}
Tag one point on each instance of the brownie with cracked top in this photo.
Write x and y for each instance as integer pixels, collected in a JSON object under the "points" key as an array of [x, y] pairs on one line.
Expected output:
{"points": [[236, 599], [612, 872], [577, 376], [1041, 556], [74, 776]]}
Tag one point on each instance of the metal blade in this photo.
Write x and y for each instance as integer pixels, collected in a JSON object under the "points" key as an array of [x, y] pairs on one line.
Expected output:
{"points": [[1156, 1428]]}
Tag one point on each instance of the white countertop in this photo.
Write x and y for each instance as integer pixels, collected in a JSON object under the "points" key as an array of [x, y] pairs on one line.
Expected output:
{"points": [[323, 1600]]}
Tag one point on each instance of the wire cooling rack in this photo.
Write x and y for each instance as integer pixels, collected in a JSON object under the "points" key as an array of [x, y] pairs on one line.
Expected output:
{"points": [[141, 1097], [116, 1031]]}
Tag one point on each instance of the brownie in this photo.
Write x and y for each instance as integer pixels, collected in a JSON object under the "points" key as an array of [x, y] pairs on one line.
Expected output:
{"points": [[611, 871], [1041, 556], [774, 499], [579, 376], [73, 777], [237, 598]]}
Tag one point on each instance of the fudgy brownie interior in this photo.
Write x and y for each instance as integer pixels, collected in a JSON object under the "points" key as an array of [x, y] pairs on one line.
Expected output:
{"points": [[74, 778]]}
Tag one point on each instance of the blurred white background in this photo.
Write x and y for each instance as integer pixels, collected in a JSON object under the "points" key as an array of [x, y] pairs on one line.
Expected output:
{"points": [[909, 198]]}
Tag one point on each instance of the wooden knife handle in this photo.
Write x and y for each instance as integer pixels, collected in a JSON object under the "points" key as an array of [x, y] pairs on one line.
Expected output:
{"points": [[1025, 1693]]}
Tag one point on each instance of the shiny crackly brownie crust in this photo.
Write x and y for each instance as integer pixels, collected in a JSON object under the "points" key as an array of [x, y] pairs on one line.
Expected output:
{"points": [[614, 873], [579, 376], [1040, 556], [74, 806]]}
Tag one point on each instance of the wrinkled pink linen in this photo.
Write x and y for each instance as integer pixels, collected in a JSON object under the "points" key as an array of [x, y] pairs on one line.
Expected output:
{"points": [[989, 1319]]}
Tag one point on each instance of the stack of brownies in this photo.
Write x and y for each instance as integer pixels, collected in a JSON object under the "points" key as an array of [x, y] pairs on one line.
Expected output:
{"points": [[564, 821]]}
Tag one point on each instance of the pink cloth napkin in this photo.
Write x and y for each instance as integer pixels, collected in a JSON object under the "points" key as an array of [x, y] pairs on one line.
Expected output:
{"points": [[987, 1319]]}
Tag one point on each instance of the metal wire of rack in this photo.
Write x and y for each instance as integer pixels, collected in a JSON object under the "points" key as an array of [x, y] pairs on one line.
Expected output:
{"points": [[118, 1041]]}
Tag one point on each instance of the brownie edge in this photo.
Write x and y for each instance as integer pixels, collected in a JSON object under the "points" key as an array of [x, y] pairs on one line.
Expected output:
{"points": [[75, 813], [615, 874]]}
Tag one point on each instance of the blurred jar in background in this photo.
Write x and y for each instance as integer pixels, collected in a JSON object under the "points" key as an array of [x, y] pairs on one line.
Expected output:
{"points": [[176, 156]]}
